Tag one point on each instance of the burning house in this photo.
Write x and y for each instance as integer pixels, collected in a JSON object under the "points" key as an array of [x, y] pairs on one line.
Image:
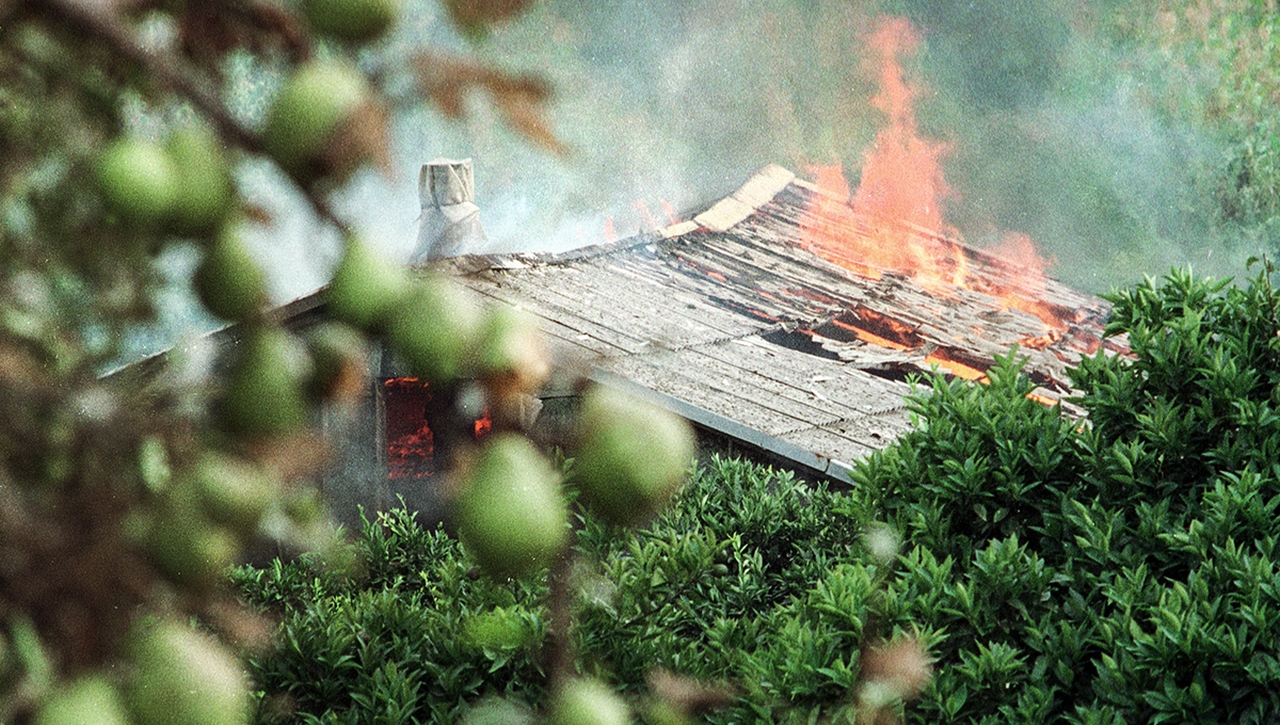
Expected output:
{"points": [[782, 322]]}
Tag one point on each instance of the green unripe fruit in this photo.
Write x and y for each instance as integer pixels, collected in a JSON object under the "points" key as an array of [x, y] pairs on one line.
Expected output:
{"points": [[339, 362], [305, 506], [88, 700], [512, 356], [228, 281], [137, 179], [183, 678], [205, 189], [354, 21], [587, 702], [498, 629], [660, 712], [189, 550], [233, 492], [434, 329], [510, 512], [316, 99], [264, 389], [632, 456], [366, 287]]}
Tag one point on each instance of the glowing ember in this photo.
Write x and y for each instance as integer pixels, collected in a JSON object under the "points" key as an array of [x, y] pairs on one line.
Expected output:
{"points": [[609, 232], [1043, 399], [410, 444], [871, 337], [876, 328], [1042, 342], [955, 367]]}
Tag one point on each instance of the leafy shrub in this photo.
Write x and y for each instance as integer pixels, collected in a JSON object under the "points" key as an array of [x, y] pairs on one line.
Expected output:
{"points": [[753, 576], [1118, 569]]}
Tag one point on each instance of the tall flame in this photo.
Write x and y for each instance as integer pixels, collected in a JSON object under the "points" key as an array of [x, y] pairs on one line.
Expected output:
{"points": [[893, 221], [901, 172]]}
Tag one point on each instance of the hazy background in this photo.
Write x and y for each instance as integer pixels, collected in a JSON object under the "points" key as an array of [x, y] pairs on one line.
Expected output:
{"points": [[1123, 137]]}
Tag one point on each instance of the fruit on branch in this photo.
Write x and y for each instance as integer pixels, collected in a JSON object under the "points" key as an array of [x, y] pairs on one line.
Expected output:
{"points": [[205, 190], [474, 18], [228, 281], [87, 700], [264, 387], [587, 702], [366, 287], [339, 362], [317, 100], [511, 515], [137, 179], [233, 492], [512, 358], [435, 328], [632, 457], [353, 21], [183, 678], [189, 550]]}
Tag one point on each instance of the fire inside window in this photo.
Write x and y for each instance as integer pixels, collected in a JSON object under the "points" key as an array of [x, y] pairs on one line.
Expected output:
{"points": [[410, 443]]}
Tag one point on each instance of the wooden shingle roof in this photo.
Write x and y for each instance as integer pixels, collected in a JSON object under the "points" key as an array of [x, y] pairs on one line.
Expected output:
{"points": [[747, 318]]}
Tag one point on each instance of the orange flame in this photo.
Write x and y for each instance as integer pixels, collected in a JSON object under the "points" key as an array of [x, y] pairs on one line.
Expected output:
{"points": [[897, 205], [673, 218], [901, 172], [646, 217], [893, 222]]}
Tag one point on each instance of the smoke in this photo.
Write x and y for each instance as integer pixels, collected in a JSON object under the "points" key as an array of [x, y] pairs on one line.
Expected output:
{"points": [[1050, 126]]}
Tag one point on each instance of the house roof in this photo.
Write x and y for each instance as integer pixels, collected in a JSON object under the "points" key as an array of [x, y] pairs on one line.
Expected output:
{"points": [[752, 319]]}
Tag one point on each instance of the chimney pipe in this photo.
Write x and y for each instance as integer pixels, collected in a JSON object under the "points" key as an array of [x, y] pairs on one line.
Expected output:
{"points": [[450, 219]]}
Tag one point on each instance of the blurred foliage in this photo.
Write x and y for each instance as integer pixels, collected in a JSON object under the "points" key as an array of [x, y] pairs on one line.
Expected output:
{"points": [[126, 492]]}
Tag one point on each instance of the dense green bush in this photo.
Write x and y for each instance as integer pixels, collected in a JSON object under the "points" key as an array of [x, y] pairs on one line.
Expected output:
{"points": [[754, 577], [1119, 570], [1115, 570]]}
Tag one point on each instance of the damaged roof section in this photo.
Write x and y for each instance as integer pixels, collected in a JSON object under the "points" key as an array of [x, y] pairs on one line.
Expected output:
{"points": [[765, 311]]}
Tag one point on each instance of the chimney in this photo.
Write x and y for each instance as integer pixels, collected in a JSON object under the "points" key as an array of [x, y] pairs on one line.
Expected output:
{"points": [[450, 221]]}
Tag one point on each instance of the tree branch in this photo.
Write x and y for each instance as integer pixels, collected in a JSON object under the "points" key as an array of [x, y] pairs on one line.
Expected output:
{"points": [[97, 20]]}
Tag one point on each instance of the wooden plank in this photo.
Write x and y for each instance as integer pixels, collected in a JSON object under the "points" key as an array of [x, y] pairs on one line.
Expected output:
{"points": [[769, 416], [545, 302], [850, 389], [669, 315], [831, 444]]}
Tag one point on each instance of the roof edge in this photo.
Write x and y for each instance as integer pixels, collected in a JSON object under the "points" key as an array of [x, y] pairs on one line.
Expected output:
{"points": [[788, 454], [758, 190]]}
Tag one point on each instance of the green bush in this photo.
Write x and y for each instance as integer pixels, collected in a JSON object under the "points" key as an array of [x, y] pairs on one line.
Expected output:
{"points": [[1118, 569], [753, 577]]}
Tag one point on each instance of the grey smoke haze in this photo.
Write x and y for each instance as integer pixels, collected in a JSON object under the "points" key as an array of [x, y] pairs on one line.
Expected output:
{"points": [[678, 101]]}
